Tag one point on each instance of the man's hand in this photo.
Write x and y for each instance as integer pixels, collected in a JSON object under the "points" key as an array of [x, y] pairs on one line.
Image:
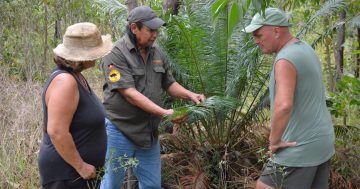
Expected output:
{"points": [[197, 98], [180, 119], [275, 147]]}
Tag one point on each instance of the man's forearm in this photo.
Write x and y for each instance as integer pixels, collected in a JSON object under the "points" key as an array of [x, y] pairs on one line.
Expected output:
{"points": [[176, 90], [280, 119], [137, 99]]}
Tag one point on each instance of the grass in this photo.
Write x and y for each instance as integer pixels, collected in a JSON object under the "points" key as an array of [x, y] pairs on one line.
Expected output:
{"points": [[20, 132]]}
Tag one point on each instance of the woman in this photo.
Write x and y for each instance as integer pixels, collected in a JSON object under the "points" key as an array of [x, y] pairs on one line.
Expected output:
{"points": [[74, 142]]}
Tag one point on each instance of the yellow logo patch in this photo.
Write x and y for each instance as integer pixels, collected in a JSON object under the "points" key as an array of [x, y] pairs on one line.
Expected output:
{"points": [[114, 76]]}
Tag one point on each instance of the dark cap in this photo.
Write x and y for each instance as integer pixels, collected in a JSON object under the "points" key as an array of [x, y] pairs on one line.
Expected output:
{"points": [[147, 16]]}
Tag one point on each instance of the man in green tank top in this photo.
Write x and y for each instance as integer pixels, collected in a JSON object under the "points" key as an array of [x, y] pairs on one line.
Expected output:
{"points": [[302, 135]]}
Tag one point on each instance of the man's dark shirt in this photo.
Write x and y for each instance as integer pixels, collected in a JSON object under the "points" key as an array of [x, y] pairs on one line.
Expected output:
{"points": [[124, 68]]}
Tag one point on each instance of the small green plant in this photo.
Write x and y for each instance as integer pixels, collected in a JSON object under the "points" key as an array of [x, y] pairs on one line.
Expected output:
{"points": [[347, 99]]}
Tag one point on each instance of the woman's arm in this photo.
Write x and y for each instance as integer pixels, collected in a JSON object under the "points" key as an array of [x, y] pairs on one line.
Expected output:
{"points": [[62, 97]]}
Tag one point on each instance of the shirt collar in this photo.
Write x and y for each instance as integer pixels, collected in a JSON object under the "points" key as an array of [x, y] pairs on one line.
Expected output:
{"points": [[131, 46], [128, 43]]}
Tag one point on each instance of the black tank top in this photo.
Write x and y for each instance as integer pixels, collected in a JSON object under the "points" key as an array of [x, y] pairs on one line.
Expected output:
{"points": [[88, 131]]}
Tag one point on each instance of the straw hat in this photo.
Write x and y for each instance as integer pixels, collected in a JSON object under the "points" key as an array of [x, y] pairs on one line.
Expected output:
{"points": [[83, 42]]}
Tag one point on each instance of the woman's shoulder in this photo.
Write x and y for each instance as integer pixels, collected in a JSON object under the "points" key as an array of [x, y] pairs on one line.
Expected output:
{"points": [[64, 82]]}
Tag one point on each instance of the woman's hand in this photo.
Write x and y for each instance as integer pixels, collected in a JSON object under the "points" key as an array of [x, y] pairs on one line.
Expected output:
{"points": [[86, 171]]}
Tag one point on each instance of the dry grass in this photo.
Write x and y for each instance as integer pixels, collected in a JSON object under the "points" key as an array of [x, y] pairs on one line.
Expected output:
{"points": [[20, 132], [21, 129]]}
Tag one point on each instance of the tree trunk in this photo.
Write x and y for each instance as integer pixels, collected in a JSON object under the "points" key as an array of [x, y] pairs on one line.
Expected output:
{"points": [[357, 65], [1, 42], [131, 4], [340, 47], [45, 35], [330, 77], [173, 5], [57, 33]]}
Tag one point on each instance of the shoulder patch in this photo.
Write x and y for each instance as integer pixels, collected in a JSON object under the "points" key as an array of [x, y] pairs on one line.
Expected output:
{"points": [[114, 75]]}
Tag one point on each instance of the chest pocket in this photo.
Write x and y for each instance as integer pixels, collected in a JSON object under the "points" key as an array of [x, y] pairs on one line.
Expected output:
{"points": [[158, 75], [159, 69], [139, 78]]}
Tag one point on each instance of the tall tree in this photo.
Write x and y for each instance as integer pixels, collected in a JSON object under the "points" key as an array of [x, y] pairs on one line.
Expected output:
{"points": [[57, 33], [131, 4], [357, 65], [45, 35], [173, 5], [327, 39], [340, 47], [1, 42]]}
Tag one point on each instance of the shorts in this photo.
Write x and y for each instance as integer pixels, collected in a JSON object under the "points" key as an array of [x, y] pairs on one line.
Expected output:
{"points": [[283, 177]]}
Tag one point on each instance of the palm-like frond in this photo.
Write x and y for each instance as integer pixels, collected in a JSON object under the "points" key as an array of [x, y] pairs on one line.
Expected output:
{"points": [[329, 8], [117, 12], [355, 22], [328, 31], [113, 7], [211, 62]]}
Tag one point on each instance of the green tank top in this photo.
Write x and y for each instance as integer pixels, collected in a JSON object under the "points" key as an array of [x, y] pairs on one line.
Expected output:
{"points": [[310, 122]]}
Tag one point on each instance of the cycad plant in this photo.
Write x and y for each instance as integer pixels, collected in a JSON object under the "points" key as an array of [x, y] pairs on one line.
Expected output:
{"points": [[230, 72]]}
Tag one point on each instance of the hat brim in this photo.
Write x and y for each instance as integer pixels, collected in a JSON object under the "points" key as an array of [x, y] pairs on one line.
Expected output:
{"points": [[85, 54], [154, 23], [251, 28]]}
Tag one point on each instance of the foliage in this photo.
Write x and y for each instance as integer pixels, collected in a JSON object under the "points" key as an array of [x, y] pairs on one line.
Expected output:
{"points": [[328, 9], [208, 62], [236, 12], [24, 45], [346, 99]]}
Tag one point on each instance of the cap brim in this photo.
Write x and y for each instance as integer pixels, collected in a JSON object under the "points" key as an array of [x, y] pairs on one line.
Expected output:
{"points": [[154, 23], [85, 54], [251, 28]]}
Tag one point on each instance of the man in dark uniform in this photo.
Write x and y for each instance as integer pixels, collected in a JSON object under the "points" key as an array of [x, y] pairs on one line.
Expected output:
{"points": [[137, 73]]}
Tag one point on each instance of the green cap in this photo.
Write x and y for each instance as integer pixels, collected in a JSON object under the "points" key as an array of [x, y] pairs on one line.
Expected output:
{"points": [[273, 17], [147, 16]]}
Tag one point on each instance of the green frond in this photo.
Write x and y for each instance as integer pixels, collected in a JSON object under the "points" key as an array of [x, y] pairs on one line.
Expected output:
{"points": [[329, 31], [355, 22], [329, 8], [116, 10]]}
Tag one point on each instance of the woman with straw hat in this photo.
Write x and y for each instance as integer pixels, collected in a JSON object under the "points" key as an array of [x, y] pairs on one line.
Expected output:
{"points": [[74, 141]]}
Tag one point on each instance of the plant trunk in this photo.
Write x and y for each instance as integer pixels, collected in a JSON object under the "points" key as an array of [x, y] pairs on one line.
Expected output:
{"points": [[131, 4], [1, 42], [45, 35], [357, 65], [340, 47], [330, 77], [57, 33], [173, 5]]}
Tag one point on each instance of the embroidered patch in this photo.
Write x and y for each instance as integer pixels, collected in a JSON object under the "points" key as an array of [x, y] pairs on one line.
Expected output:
{"points": [[157, 62], [114, 76]]}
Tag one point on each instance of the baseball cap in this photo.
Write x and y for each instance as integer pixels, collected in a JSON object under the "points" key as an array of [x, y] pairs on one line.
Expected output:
{"points": [[147, 16], [273, 17]]}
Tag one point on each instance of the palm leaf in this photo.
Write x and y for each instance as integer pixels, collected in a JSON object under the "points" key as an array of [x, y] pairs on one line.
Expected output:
{"points": [[329, 8]]}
